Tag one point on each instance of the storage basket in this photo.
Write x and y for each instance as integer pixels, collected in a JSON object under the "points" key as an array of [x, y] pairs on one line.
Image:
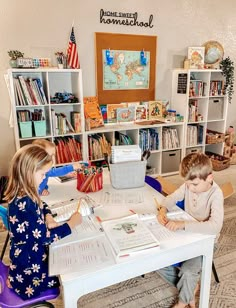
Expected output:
{"points": [[128, 174], [214, 137], [40, 128], [25, 129], [219, 162]]}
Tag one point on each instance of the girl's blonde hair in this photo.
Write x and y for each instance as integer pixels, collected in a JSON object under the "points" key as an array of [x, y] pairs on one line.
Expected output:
{"points": [[44, 143], [26, 161], [195, 165]]}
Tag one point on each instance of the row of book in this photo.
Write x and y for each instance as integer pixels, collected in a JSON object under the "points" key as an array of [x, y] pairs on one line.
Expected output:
{"points": [[62, 125], [194, 135], [193, 110], [123, 139], [148, 139], [68, 149], [29, 91], [197, 88], [98, 145], [170, 138], [27, 115], [217, 88]]}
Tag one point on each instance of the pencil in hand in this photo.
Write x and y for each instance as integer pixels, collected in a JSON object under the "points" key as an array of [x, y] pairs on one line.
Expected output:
{"points": [[157, 205], [78, 207]]}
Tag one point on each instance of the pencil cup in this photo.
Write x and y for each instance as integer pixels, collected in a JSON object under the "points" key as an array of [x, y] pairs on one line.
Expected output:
{"points": [[40, 128], [25, 129], [90, 180]]}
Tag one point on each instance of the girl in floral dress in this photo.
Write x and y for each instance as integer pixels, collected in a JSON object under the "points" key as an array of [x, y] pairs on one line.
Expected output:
{"points": [[32, 227]]}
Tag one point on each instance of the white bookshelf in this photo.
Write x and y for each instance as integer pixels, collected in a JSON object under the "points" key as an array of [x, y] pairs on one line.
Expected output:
{"points": [[213, 108], [165, 159]]}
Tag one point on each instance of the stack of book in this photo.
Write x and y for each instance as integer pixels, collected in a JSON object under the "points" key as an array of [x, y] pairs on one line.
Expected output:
{"points": [[29, 91], [125, 153], [68, 149]]}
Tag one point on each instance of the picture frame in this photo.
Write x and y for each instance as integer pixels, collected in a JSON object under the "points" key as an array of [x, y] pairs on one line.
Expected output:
{"points": [[196, 57]]}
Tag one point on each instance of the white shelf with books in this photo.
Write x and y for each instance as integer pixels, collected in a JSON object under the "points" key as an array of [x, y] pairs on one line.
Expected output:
{"points": [[200, 98], [48, 103]]}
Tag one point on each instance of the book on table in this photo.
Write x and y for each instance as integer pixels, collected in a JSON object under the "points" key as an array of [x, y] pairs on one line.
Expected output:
{"points": [[129, 235]]}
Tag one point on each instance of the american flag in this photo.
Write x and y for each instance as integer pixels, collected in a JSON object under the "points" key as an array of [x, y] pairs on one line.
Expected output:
{"points": [[72, 53]]}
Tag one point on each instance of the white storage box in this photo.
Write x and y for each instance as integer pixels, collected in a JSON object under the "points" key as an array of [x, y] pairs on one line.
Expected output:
{"points": [[128, 174]]}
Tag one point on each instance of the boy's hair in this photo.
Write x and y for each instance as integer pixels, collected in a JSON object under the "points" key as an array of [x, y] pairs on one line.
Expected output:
{"points": [[26, 161], [195, 165], [44, 143]]}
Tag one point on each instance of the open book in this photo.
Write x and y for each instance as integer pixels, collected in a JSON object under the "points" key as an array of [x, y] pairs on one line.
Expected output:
{"points": [[129, 235]]}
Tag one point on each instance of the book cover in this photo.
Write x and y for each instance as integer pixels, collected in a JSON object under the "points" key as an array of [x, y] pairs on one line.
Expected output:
{"points": [[196, 57], [129, 235], [126, 114], [92, 113], [141, 113], [103, 109], [155, 110], [112, 112]]}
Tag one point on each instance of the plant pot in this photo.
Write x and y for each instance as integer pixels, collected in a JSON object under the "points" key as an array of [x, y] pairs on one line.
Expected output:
{"points": [[60, 65], [13, 63]]}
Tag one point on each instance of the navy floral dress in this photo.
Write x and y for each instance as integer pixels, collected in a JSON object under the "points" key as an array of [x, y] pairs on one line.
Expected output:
{"points": [[28, 272]]}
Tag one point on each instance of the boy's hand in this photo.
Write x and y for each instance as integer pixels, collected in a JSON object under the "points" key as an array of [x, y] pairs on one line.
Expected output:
{"points": [[161, 217], [75, 220], [174, 225], [50, 222], [45, 192]]}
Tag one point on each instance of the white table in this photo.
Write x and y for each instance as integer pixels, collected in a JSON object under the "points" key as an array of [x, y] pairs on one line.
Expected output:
{"points": [[75, 285]]}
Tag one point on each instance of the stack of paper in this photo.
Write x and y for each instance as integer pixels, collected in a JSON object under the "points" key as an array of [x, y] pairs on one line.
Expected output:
{"points": [[125, 153]]}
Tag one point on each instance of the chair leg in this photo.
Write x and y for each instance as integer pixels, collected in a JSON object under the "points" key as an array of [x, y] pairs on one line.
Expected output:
{"points": [[5, 246], [215, 273]]}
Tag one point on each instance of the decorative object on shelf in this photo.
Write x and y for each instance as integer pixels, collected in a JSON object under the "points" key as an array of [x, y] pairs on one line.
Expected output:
{"points": [[72, 52], [92, 113], [61, 59], [41, 62], [14, 55], [214, 53], [227, 67], [196, 57], [24, 62]]}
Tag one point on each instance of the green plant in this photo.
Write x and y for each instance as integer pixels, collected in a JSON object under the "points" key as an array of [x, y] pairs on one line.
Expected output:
{"points": [[15, 54], [227, 67]]}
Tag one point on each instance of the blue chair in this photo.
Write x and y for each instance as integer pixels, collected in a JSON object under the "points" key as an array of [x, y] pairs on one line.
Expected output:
{"points": [[8, 298], [3, 215], [154, 183]]}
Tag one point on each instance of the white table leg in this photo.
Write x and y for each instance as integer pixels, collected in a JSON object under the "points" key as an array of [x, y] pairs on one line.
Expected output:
{"points": [[205, 281]]}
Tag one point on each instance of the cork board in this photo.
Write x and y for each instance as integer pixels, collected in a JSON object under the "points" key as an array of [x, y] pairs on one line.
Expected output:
{"points": [[115, 41]]}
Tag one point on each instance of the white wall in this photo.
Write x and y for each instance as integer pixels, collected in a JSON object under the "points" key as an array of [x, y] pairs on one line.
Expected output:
{"points": [[39, 28]]}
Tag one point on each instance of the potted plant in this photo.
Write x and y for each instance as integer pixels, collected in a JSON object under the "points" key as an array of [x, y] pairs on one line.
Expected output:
{"points": [[14, 55], [61, 58], [227, 67]]}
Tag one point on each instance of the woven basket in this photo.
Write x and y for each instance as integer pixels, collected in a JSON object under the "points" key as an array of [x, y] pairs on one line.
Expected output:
{"points": [[214, 137], [219, 162]]}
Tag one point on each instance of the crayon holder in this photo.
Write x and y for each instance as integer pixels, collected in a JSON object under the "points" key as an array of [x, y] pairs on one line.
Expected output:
{"points": [[90, 180]]}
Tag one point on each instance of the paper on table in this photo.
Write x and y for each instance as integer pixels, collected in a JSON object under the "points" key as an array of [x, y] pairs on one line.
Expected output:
{"points": [[128, 235], [89, 228], [82, 256]]}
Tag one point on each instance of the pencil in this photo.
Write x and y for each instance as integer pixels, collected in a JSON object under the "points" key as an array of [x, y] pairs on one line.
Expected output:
{"points": [[157, 205], [78, 208]]}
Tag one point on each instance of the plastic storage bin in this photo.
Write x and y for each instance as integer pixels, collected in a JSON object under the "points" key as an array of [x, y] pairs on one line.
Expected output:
{"points": [[128, 174], [40, 128], [25, 129]]}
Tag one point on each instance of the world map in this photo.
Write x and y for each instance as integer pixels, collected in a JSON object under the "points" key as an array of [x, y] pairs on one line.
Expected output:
{"points": [[125, 71]]}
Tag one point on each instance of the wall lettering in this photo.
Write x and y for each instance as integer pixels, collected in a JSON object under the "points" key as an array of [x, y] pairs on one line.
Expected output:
{"points": [[126, 19]]}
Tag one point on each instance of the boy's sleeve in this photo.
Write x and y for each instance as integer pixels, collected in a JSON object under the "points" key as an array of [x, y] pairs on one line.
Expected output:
{"points": [[60, 171], [214, 223], [170, 201]]}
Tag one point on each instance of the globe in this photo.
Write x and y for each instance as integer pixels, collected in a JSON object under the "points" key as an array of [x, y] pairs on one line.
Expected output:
{"points": [[214, 52]]}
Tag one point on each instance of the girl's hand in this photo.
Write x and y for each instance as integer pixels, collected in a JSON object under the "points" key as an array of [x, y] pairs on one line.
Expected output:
{"points": [[174, 225], [50, 222], [75, 220]]}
